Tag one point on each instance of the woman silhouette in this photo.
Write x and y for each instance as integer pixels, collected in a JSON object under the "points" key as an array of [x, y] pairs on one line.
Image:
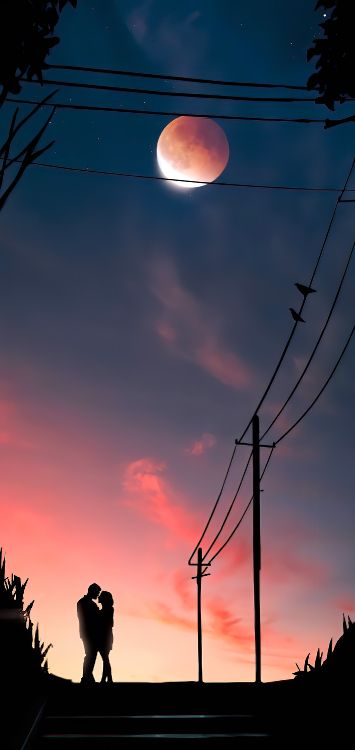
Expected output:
{"points": [[105, 633]]}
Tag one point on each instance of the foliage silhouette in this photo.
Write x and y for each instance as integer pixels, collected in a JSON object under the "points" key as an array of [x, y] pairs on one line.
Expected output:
{"points": [[26, 38], [340, 660], [334, 77], [22, 654]]}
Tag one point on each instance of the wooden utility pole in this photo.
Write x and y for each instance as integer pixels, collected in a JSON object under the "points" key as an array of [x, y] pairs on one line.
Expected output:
{"points": [[199, 613], [256, 545]]}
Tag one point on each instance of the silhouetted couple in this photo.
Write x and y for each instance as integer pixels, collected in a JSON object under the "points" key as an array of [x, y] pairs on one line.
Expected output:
{"points": [[95, 627]]}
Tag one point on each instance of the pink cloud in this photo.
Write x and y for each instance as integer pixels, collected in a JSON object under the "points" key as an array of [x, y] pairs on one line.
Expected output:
{"points": [[182, 587], [205, 442], [166, 332], [192, 332], [155, 499], [165, 614], [223, 623]]}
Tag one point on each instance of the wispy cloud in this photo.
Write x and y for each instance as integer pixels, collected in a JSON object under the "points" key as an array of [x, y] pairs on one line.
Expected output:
{"points": [[200, 446], [165, 614], [152, 496], [192, 332], [176, 37]]}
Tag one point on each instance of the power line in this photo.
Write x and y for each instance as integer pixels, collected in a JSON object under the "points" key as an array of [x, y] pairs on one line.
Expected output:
{"points": [[219, 183], [303, 415], [215, 505], [316, 344], [157, 92], [243, 514], [288, 342], [321, 390], [160, 113], [293, 329], [230, 507], [189, 79]]}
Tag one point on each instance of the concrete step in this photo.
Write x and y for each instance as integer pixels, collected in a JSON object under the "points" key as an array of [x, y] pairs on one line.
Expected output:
{"points": [[143, 716], [143, 730]]}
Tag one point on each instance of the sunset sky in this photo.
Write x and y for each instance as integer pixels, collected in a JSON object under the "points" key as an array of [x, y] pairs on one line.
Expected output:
{"points": [[139, 325]]}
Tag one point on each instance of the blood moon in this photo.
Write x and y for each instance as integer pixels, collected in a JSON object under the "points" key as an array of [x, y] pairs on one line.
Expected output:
{"points": [[192, 148]]}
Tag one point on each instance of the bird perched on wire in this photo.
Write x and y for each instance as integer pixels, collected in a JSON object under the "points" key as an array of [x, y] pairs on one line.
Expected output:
{"points": [[296, 316], [305, 290]]}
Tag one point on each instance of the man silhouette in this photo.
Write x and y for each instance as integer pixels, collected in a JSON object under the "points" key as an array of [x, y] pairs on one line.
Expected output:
{"points": [[88, 614]]}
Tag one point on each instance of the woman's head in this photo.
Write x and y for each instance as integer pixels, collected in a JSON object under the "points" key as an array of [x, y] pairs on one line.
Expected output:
{"points": [[106, 599]]}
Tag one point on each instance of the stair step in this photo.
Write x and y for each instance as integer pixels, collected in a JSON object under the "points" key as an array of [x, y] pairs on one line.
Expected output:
{"points": [[164, 740]]}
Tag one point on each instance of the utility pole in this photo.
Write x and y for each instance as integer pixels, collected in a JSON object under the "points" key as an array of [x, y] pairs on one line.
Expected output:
{"points": [[199, 613], [256, 544], [199, 577]]}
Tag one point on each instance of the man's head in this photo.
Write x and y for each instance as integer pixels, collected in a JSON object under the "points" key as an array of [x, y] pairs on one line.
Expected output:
{"points": [[94, 590]]}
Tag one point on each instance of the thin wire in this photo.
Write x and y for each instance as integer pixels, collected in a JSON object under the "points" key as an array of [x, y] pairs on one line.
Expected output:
{"points": [[215, 505], [93, 108], [321, 390], [316, 344], [333, 123], [243, 514], [230, 507], [219, 183], [189, 79], [288, 342], [157, 92]]}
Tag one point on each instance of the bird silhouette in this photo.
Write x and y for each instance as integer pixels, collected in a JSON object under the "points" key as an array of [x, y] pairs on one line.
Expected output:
{"points": [[304, 289], [296, 316]]}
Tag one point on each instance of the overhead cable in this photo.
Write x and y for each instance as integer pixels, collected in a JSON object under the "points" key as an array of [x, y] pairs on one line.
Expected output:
{"points": [[217, 183], [215, 506], [320, 392], [291, 335], [165, 77], [315, 346], [236, 527], [159, 92], [230, 507], [130, 110]]}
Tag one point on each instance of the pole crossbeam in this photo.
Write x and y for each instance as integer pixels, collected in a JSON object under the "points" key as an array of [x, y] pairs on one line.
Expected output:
{"points": [[261, 445]]}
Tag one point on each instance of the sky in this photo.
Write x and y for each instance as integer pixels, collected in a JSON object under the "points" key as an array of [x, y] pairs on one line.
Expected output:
{"points": [[139, 325]]}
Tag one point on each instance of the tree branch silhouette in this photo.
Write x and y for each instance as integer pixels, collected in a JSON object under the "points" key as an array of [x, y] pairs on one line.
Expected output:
{"points": [[334, 77], [26, 38]]}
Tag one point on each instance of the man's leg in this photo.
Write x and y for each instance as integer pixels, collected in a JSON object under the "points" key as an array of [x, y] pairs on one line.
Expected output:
{"points": [[89, 662]]}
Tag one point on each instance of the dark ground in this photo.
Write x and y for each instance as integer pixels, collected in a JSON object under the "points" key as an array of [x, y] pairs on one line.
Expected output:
{"points": [[279, 714]]}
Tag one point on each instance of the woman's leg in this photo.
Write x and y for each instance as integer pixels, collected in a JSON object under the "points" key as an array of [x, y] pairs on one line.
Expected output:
{"points": [[106, 667]]}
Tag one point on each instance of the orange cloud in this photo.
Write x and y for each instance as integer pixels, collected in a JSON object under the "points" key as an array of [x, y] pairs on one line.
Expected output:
{"points": [[155, 499], [200, 446], [192, 332]]}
